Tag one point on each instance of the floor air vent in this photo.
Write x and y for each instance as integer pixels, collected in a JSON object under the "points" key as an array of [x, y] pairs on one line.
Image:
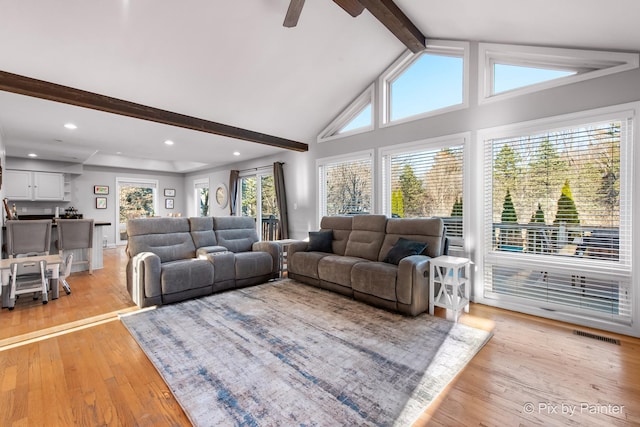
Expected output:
{"points": [[597, 337]]}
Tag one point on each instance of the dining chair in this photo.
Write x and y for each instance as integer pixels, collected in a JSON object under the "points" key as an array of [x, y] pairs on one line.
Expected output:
{"points": [[76, 234], [28, 276]]}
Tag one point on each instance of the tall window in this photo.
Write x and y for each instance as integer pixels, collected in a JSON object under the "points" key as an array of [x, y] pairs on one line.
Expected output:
{"points": [[426, 179], [258, 201], [136, 198], [201, 196], [559, 230], [346, 184]]}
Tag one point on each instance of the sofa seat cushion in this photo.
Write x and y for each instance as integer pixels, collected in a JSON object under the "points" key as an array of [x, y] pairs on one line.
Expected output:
{"points": [[253, 264], [305, 263], [337, 269], [178, 276], [375, 278]]}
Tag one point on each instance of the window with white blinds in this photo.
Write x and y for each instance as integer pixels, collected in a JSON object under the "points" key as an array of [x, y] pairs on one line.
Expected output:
{"points": [[558, 217], [346, 185], [426, 180]]}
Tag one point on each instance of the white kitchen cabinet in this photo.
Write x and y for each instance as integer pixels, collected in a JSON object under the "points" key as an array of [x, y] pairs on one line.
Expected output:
{"points": [[29, 185]]}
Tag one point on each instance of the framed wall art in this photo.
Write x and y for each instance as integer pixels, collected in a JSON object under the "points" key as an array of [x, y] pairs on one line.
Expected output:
{"points": [[100, 189], [168, 203], [101, 203], [169, 192]]}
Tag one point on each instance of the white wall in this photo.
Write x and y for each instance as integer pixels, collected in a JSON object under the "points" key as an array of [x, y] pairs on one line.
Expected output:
{"points": [[85, 201]]}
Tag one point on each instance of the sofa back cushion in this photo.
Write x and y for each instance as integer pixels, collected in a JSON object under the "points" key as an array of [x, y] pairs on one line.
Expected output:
{"points": [[169, 238], [366, 236], [202, 231], [428, 230], [236, 233], [341, 227]]}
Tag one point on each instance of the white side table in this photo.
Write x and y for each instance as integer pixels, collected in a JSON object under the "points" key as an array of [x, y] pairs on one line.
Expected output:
{"points": [[450, 285], [284, 252]]}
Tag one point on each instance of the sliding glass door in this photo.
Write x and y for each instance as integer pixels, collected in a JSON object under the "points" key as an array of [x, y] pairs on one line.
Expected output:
{"points": [[258, 201]]}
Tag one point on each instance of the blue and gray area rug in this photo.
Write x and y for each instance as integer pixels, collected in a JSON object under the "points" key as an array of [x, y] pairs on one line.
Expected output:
{"points": [[288, 354]]}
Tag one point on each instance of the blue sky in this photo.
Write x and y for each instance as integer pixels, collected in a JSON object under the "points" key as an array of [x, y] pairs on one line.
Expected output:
{"points": [[436, 81]]}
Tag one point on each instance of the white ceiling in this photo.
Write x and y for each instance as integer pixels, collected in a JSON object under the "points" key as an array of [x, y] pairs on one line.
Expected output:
{"points": [[232, 61]]}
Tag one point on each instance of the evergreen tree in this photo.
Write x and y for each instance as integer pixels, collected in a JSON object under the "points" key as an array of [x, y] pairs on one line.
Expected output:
{"points": [[397, 204], [412, 192], [510, 235], [567, 212], [508, 209], [536, 237], [457, 207]]}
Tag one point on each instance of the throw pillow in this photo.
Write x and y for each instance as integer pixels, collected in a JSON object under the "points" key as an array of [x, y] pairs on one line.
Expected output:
{"points": [[320, 241], [404, 248]]}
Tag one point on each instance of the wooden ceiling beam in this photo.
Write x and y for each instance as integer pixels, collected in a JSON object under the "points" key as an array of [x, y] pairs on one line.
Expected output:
{"points": [[390, 15], [54, 92], [352, 7]]}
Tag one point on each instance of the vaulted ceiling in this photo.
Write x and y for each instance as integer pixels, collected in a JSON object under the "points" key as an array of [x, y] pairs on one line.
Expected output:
{"points": [[233, 62]]}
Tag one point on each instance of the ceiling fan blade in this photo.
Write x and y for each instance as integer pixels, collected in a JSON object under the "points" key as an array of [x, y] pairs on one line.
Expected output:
{"points": [[293, 13], [352, 7]]}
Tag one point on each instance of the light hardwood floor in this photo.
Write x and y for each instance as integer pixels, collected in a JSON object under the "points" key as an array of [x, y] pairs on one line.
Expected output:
{"points": [[71, 362]]}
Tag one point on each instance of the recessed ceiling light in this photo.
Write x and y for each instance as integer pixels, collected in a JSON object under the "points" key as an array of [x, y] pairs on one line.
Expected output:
{"points": [[32, 155], [236, 153], [118, 152], [168, 142], [70, 126]]}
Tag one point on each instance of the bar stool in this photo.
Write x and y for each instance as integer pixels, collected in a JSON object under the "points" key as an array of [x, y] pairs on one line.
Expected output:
{"points": [[75, 234], [26, 238]]}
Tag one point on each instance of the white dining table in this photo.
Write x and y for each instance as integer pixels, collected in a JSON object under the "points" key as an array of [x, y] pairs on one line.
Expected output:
{"points": [[53, 266]]}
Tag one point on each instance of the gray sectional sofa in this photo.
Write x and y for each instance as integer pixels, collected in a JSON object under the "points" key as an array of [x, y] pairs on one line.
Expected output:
{"points": [[358, 262], [173, 259]]}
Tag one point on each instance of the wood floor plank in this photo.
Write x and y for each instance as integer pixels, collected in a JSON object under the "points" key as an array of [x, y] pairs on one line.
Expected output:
{"points": [[76, 359]]}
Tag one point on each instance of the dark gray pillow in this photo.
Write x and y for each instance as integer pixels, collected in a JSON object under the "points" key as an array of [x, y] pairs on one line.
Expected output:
{"points": [[320, 241], [404, 248]]}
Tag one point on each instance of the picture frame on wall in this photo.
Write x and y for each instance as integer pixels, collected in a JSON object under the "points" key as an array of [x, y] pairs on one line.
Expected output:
{"points": [[170, 192], [168, 203], [100, 189], [101, 203]]}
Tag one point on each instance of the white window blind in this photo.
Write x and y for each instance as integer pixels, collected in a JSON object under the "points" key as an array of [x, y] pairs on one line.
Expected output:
{"points": [[346, 186], [427, 181], [558, 218]]}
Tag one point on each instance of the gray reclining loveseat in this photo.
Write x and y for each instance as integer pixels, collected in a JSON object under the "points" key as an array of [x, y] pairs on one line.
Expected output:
{"points": [[359, 261], [173, 259]]}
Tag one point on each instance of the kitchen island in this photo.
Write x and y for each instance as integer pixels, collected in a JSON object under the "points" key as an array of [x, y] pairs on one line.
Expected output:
{"points": [[78, 254]]}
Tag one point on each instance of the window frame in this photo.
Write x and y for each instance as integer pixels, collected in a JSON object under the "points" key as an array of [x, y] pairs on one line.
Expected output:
{"points": [[435, 47], [322, 163], [332, 131], [621, 270], [437, 143], [588, 64]]}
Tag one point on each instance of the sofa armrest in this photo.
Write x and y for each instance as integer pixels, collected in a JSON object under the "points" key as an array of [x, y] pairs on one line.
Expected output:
{"points": [[412, 284], [273, 249], [300, 246], [146, 277]]}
